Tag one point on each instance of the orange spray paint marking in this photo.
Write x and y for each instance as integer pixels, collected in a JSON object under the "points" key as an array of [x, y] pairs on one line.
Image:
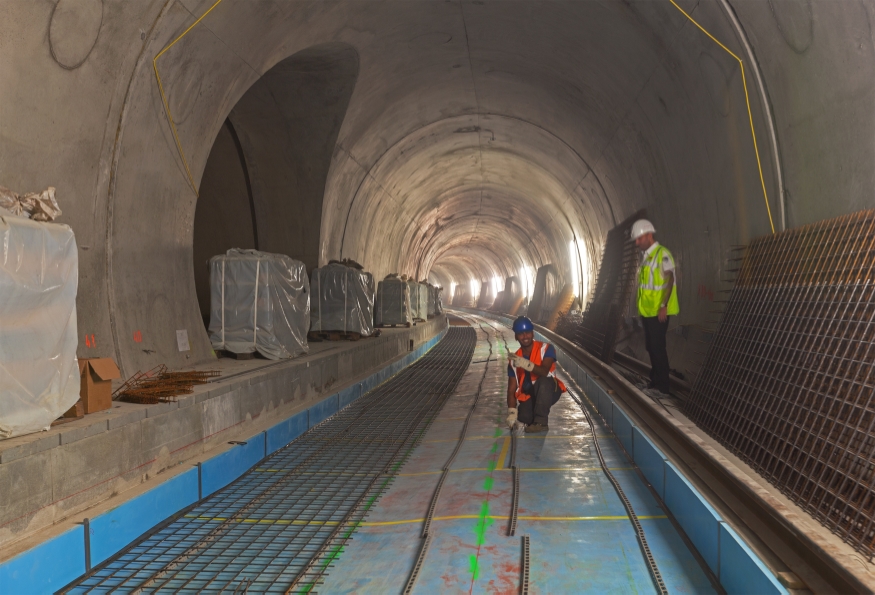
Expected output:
{"points": [[138, 337]]}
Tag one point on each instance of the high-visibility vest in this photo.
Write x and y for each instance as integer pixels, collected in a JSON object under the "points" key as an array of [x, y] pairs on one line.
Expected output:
{"points": [[536, 357], [651, 284]]}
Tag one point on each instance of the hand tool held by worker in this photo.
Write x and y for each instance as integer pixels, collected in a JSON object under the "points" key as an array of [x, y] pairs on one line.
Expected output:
{"points": [[511, 417]]}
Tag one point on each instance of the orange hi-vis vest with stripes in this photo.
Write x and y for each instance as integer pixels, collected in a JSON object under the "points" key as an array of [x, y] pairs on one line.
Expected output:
{"points": [[536, 357]]}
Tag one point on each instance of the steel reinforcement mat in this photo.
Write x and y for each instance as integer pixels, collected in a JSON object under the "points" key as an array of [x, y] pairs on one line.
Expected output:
{"points": [[788, 382], [279, 527]]}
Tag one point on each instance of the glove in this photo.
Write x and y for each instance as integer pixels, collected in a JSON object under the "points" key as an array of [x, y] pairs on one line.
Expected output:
{"points": [[525, 364], [511, 417], [519, 361]]}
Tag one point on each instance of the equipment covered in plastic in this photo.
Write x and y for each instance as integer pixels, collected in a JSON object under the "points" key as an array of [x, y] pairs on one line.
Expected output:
{"points": [[435, 307], [39, 276], [259, 302], [393, 302], [343, 300], [418, 300]]}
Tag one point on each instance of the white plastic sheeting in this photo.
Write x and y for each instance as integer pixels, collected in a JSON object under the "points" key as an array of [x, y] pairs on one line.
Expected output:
{"points": [[418, 300], [393, 302], [39, 276], [259, 302], [343, 300]]}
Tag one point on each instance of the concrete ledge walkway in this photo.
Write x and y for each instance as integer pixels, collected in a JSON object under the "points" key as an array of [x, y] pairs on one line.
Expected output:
{"points": [[49, 477]]}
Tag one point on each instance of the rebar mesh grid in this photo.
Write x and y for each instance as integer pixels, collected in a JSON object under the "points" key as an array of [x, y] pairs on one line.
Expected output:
{"points": [[597, 330], [787, 383], [286, 520]]}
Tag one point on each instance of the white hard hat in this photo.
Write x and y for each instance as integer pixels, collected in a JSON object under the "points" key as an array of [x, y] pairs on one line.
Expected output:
{"points": [[640, 227]]}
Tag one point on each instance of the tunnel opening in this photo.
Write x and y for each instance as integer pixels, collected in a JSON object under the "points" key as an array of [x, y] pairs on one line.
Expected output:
{"points": [[265, 176]]}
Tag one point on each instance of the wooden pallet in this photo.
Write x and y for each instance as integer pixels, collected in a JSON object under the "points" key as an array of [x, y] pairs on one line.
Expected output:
{"points": [[317, 336]]}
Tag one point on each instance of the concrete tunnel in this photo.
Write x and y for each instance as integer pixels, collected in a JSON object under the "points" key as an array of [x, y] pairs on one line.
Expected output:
{"points": [[460, 142]]}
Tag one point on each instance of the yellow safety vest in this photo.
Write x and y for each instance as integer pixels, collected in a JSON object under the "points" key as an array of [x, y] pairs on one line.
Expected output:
{"points": [[651, 284]]}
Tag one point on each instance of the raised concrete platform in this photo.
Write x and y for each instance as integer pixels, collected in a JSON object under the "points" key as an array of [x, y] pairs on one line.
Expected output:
{"points": [[50, 476]]}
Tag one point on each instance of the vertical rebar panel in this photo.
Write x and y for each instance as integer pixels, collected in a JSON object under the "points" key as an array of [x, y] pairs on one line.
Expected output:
{"points": [[787, 383], [260, 533], [598, 328]]}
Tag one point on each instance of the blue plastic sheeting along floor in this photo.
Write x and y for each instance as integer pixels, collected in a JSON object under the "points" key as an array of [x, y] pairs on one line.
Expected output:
{"points": [[581, 539]]}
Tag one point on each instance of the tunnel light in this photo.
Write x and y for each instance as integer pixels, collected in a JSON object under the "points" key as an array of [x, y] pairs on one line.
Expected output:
{"points": [[474, 289], [452, 291], [574, 261], [496, 285], [527, 281], [583, 255]]}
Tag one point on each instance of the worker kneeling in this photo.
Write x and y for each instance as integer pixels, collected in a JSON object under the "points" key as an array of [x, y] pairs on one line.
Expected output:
{"points": [[532, 386]]}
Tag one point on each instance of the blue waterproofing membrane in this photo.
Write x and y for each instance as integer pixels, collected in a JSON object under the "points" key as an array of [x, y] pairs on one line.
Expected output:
{"points": [[581, 538], [736, 566], [58, 561]]}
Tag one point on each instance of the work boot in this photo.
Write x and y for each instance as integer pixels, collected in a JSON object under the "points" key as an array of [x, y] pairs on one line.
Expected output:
{"points": [[536, 428], [655, 393]]}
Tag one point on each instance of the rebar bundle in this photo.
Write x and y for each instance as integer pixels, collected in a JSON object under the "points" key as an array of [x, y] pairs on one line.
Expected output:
{"points": [[598, 329], [787, 383], [160, 386]]}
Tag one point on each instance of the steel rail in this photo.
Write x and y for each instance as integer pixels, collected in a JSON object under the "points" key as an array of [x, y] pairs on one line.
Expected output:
{"points": [[784, 541], [524, 566]]}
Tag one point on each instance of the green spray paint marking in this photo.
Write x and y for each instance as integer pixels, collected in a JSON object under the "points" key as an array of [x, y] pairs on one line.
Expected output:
{"points": [[475, 566], [494, 447], [487, 483]]}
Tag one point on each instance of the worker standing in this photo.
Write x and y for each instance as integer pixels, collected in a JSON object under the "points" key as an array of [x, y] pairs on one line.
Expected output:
{"points": [[657, 301], [532, 386]]}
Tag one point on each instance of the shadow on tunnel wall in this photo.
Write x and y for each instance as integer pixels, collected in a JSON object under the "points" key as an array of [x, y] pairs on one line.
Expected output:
{"points": [[265, 177]]}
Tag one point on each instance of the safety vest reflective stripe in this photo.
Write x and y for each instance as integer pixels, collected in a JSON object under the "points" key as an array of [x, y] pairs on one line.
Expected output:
{"points": [[537, 356]]}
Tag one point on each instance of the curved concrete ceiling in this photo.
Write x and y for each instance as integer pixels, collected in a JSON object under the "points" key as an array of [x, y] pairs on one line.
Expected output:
{"points": [[480, 137]]}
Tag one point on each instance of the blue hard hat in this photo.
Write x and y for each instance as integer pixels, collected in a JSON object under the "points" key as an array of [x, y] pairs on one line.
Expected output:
{"points": [[522, 325]]}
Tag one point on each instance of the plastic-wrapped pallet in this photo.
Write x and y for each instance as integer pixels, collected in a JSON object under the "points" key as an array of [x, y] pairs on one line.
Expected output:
{"points": [[39, 277], [393, 302], [259, 302], [418, 300], [343, 301], [434, 301]]}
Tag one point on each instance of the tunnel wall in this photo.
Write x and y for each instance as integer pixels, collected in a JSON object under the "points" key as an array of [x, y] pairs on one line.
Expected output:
{"points": [[479, 137]]}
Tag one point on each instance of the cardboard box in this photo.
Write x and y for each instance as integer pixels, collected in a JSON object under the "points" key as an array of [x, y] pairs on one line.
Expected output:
{"points": [[96, 375]]}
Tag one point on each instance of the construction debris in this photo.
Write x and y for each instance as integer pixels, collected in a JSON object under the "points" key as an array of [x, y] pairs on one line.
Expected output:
{"points": [[160, 386], [39, 206]]}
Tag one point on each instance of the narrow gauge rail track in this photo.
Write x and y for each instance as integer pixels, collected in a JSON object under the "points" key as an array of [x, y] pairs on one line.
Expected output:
{"points": [[280, 526]]}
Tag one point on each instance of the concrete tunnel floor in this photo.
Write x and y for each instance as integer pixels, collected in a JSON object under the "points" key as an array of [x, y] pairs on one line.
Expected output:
{"points": [[581, 540]]}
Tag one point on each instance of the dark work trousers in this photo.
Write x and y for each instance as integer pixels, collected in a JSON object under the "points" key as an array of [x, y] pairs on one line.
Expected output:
{"points": [[545, 393], [654, 339]]}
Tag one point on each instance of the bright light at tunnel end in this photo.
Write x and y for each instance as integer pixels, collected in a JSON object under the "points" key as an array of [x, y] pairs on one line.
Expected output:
{"points": [[575, 267]]}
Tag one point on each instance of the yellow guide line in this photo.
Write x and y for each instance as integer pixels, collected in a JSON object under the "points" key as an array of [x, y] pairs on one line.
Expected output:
{"points": [[502, 456], [164, 96], [437, 518], [753, 133]]}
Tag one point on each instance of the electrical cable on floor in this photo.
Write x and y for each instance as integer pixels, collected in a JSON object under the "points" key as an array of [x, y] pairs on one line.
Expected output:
{"points": [[639, 530]]}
